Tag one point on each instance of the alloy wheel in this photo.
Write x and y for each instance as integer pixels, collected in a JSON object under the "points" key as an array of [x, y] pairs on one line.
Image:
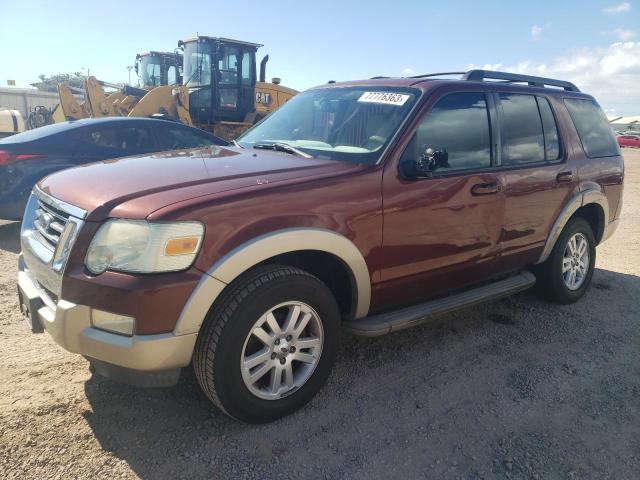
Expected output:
{"points": [[282, 350]]}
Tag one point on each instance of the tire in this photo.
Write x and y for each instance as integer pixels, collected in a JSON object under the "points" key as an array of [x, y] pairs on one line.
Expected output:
{"points": [[555, 285], [227, 339]]}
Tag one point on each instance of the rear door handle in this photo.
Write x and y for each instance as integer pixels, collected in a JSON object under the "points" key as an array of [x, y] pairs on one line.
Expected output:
{"points": [[564, 177], [490, 188]]}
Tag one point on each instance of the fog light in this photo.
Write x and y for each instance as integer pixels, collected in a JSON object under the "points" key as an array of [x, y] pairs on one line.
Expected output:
{"points": [[112, 322]]}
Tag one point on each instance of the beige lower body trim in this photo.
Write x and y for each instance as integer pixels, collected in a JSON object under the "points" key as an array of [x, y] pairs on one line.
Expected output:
{"points": [[70, 326], [264, 247], [580, 200], [610, 229]]}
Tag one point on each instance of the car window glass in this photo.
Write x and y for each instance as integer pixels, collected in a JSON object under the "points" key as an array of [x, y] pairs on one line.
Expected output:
{"points": [[228, 66], [171, 75], [521, 128], [551, 142], [246, 69], [593, 128], [458, 128], [132, 139], [176, 138]]}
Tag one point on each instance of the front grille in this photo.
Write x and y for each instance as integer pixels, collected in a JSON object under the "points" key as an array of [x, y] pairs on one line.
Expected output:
{"points": [[49, 223]]}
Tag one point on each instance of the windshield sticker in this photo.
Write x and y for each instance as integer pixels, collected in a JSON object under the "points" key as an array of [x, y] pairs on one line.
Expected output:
{"points": [[384, 97]]}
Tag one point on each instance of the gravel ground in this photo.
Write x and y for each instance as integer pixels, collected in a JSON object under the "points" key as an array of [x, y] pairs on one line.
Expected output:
{"points": [[514, 389]]}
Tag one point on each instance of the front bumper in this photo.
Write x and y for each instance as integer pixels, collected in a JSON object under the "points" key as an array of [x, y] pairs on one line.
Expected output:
{"points": [[150, 360]]}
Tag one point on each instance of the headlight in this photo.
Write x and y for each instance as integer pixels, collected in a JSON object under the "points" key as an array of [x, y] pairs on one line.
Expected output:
{"points": [[138, 246]]}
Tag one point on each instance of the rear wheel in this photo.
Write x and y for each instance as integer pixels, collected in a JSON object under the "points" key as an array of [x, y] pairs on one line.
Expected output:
{"points": [[565, 276], [268, 344]]}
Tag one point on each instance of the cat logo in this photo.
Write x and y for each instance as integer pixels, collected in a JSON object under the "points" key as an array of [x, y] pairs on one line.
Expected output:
{"points": [[263, 97]]}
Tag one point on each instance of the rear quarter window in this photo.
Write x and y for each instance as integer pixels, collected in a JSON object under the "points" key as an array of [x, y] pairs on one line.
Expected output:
{"points": [[593, 128]]}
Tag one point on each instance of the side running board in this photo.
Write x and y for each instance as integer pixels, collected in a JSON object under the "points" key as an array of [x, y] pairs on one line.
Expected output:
{"points": [[383, 323]]}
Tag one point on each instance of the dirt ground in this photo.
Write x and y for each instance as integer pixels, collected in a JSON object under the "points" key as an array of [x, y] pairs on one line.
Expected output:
{"points": [[514, 389]]}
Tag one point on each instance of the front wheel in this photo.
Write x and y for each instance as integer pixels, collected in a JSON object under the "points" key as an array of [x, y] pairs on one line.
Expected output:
{"points": [[565, 276], [268, 345]]}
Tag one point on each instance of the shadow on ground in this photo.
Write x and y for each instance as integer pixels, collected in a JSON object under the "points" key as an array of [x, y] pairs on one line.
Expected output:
{"points": [[10, 236], [518, 388]]}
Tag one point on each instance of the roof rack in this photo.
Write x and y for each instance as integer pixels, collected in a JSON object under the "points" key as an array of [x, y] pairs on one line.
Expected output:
{"points": [[481, 75], [437, 74]]}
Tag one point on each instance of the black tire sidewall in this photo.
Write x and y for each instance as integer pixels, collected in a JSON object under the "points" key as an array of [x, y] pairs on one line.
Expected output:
{"points": [[559, 290], [233, 394]]}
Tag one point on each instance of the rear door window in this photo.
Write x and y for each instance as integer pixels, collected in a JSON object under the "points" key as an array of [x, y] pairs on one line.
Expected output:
{"points": [[521, 128], [117, 140], [593, 128], [458, 127]]}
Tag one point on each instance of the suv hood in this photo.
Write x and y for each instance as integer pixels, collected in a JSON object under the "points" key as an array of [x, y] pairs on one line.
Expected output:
{"points": [[170, 177]]}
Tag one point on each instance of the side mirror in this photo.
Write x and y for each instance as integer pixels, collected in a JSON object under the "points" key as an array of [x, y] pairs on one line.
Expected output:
{"points": [[430, 161]]}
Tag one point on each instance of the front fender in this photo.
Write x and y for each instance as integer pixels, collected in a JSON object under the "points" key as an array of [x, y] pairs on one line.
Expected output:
{"points": [[263, 247]]}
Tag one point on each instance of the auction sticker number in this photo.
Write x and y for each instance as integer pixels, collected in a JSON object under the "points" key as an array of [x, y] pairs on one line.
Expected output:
{"points": [[384, 97]]}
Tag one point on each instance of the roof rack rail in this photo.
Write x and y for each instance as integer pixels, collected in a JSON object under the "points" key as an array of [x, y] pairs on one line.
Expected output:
{"points": [[481, 75], [437, 74]]}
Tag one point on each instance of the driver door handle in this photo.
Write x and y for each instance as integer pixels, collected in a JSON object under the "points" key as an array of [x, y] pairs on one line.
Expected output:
{"points": [[564, 177], [490, 188]]}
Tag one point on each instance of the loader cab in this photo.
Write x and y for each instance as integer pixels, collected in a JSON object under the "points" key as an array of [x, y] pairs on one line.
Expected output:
{"points": [[158, 68], [221, 76]]}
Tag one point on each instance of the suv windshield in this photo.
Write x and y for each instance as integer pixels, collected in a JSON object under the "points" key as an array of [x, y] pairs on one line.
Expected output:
{"points": [[197, 64], [351, 123]]}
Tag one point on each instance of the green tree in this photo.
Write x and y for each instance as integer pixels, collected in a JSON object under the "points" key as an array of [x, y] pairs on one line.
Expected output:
{"points": [[50, 84]]}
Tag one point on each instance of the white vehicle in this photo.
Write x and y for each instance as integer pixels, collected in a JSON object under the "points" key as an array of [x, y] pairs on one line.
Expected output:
{"points": [[11, 122]]}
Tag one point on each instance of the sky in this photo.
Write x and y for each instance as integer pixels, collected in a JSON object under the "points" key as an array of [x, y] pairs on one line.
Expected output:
{"points": [[595, 44]]}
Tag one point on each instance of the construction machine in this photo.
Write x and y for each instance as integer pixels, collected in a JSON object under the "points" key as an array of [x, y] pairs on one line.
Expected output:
{"points": [[154, 68], [221, 91], [226, 96], [158, 68]]}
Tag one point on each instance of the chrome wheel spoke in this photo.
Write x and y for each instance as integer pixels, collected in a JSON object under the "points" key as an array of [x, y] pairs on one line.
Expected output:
{"points": [[276, 379], [566, 265], [292, 318], [273, 323], [303, 324], [259, 373], [582, 247], [304, 343], [264, 337], [257, 358], [304, 357], [288, 376]]}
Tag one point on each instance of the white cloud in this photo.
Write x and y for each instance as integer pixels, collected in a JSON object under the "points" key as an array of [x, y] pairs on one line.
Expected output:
{"points": [[536, 30], [611, 74], [619, 8], [407, 72], [621, 34]]}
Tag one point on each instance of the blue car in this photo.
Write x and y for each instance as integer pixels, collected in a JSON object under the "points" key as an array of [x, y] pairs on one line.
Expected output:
{"points": [[27, 157]]}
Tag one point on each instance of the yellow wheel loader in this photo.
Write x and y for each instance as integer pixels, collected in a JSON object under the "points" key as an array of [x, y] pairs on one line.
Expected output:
{"points": [[225, 95], [221, 90], [154, 69]]}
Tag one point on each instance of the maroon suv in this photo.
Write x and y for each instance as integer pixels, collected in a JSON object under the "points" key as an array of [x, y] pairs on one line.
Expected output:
{"points": [[366, 206]]}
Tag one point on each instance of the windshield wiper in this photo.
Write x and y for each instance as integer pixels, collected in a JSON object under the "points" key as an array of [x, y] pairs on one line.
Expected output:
{"points": [[281, 147]]}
